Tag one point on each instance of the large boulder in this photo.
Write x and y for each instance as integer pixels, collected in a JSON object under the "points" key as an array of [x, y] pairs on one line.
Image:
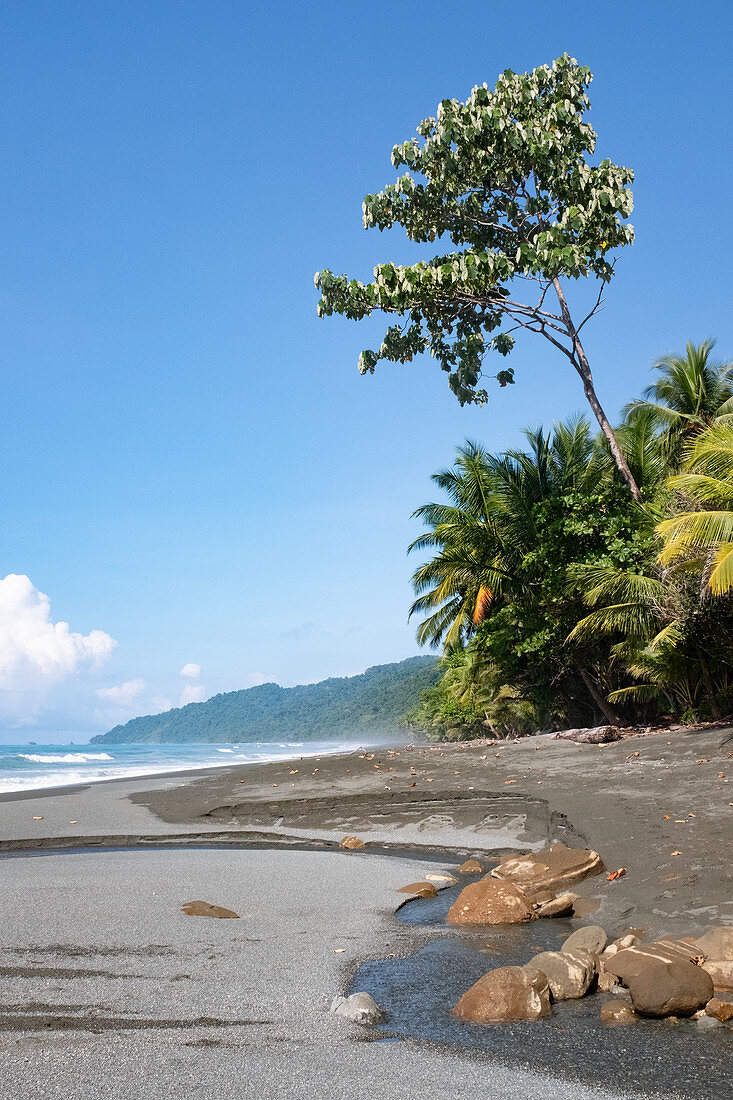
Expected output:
{"points": [[490, 902], [717, 944], [360, 1008], [720, 972], [660, 979], [506, 994], [569, 975], [557, 867], [589, 938], [596, 735]]}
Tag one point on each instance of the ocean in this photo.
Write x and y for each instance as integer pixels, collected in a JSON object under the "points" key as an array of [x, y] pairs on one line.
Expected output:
{"points": [[31, 767]]}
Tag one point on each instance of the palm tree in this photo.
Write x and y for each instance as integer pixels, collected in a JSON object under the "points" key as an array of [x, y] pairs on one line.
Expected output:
{"points": [[491, 523], [704, 538], [459, 583], [691, 393]]}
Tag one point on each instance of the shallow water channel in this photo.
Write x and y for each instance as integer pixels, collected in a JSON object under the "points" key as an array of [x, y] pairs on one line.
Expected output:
{"points": [[651, 1057]]}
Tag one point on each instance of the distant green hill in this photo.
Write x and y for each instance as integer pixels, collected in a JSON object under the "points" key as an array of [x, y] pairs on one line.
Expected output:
{"points": [[352, 706]]}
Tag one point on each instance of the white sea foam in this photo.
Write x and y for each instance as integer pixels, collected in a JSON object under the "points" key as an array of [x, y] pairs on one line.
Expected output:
{"points": [[225, 750], [65, 757]]}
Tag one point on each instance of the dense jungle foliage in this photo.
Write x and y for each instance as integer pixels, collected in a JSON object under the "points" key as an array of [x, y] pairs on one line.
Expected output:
{"points": [[362, 706], [559, 599]]}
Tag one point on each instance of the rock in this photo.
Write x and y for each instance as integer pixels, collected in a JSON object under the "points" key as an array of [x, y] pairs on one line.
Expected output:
{"points": [[607, 982], [620, 944], [352, 843], [721, 1010], [590, 938], [596, 735], [490, 902], [717, 944], [554, 868], [361, 1008], [720, 972], [470, 867], [206, 909], [568, 975], [661, 982], [419, 890], [618, 1012], [707, 1022], [442, 882], [508, 993], [561, 906]]}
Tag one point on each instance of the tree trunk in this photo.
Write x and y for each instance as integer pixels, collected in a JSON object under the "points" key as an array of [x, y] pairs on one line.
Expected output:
{"points": [[582, 366], [603, 704]]}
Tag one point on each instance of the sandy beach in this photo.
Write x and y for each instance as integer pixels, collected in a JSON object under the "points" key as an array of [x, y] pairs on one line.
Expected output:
{"points": [[109, 989]]}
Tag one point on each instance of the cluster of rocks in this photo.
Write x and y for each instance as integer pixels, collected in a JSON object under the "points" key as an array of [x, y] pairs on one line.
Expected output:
{"points": [[670, 978], [667, 978]]}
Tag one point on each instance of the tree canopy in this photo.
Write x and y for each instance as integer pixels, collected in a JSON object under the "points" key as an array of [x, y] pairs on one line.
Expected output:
{"points": [[506, 176]]}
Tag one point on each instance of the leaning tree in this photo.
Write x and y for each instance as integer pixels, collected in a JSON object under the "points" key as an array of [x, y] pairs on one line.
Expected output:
{"points": [[506, 176]]}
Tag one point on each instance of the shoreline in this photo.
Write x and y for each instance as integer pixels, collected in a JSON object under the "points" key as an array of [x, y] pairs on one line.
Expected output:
{"points": [[96, 936], [655, 804]]}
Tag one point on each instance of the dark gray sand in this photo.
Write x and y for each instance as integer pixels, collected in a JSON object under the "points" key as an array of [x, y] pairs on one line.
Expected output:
{"points": [[109, 990]]}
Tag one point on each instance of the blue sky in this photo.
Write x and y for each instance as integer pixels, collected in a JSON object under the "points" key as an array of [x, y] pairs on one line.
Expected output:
{"points": [[192, 464]]}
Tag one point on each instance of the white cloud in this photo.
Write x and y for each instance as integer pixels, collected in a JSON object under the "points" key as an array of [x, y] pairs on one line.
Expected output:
{"points": [[123, 694], [36, 654], [192, 693], [191, 671]]}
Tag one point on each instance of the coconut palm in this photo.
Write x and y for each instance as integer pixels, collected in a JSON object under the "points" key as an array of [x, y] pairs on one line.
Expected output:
{"points": [[482, 535], [704, 537], [691, 393], [459, 583]]}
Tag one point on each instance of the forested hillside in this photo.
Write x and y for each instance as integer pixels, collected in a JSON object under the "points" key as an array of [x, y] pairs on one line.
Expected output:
{"points": [[349, 706]]}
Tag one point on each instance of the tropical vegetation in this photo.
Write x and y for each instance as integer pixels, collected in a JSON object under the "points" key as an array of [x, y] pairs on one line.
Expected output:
{"points": [[558, 598], [364, 706], [507, 176]]}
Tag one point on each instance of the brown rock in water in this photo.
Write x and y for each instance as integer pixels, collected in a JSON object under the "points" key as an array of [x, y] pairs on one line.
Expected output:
{"points": [[554, 868], [568, 975], [590, 938], [352, 842], [561, 906], [660, 981], [618, 1012], [419, 890], [596, 735], [717, 944], [490, 902], [442, 882], [720, 972], [606, 980], [470, 867], [508, 993], [719, 1010], [206, 909]]}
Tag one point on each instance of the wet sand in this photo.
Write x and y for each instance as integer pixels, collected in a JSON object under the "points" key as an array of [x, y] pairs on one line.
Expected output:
{"points": [[110, 990]]}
